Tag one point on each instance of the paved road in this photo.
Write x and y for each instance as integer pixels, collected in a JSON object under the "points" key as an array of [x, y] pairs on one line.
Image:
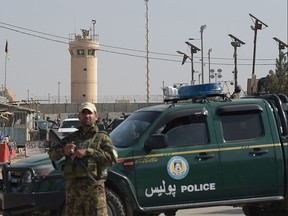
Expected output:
{"points": [[211, 211]]}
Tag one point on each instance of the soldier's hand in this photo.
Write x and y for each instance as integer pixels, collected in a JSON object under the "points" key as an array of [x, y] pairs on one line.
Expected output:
{"points": [[79, 153], [69, 149]]}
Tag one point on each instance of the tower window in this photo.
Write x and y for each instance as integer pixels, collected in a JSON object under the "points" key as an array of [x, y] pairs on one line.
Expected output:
{"points": [[80, 52], [91, 52]]}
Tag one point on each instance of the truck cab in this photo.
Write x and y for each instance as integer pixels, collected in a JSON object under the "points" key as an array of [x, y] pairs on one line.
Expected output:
{"points": [[223, 152]]}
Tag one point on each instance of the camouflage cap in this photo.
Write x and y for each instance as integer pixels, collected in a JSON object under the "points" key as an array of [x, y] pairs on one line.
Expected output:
{"points": [[87, 105]]}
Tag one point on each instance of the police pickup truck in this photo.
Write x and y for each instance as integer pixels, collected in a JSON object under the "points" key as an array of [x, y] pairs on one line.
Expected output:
{"points": [[198, 149]]}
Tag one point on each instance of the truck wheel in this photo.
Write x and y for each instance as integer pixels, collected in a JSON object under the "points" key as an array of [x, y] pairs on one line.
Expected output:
{"points": [[263, 211], [114, 204], [62, 210]]}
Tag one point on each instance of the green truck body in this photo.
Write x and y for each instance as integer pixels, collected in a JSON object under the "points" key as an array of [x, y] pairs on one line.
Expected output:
{"points": [[177, 155]]}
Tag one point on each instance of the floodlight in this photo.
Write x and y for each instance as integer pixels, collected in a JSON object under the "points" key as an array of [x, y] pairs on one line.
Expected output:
{"points": [[259, 23], [194, 48], [236, 39], [184, 56], [202, 28], [282, 45]]}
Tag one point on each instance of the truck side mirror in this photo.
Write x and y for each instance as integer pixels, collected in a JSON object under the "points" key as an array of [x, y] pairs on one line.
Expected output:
{"points": [[156, 141]]}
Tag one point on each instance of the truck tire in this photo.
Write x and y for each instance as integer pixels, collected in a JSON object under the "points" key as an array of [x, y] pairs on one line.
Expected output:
{"points": [[114, 204], [263, 211], [62, 210]]}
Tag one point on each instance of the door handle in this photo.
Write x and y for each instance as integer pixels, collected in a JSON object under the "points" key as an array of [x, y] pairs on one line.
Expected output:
{"points": [[204, 156], [257, 152]]}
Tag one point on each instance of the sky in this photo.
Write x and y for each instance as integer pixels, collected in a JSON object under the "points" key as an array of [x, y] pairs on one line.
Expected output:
{"points": [[37, 32]]}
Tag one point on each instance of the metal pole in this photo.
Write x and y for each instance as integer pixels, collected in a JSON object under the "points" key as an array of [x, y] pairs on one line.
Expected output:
{"points": [[254, 58], [147, 55], [28, 96], [235, 67], [192, 67], [5, 81], [202, 62], [258, 25], [209, 51], [58, 92], [93, 22], [254, 51]]}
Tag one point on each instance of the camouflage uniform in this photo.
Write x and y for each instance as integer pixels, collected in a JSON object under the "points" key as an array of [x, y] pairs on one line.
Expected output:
{"points": [[237, 92], [85, 198], [83, 195]]}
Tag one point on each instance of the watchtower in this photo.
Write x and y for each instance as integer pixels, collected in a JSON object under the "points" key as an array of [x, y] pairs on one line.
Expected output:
{"points": [[83, 50]]}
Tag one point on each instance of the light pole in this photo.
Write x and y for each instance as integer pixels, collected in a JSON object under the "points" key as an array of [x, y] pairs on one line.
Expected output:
{"points": [[202, 62], [58, 92], [235, 43], [93, 22], [147, 52], [209, 51], [193, 49], [215, 75], [257, 25], [199, 76], [28, 95]]}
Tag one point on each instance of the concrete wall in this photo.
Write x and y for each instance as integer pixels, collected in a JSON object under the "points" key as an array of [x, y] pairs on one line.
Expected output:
{"points": [[114, 109]]}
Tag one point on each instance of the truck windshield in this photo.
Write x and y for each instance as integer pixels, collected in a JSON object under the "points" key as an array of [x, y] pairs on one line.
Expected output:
{"points": [[132, 128], [70, 124]]}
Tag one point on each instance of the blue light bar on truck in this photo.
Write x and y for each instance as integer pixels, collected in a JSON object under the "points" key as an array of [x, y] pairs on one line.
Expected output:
{"points": [[201, 90]]}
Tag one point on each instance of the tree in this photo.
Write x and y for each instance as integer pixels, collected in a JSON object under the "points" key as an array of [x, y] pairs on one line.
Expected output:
{"points": [[277, 82]]}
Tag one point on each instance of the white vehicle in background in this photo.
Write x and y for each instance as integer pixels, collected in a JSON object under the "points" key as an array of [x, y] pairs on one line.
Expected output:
{"points": [[68, 126]]}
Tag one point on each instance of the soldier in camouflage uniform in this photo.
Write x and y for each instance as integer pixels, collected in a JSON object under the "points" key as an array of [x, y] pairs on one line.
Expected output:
{"points": [[237, 92], [88, 154]]}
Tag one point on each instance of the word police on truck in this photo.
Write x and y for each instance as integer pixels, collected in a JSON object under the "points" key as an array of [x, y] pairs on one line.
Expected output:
{"points": [[199, 148]]}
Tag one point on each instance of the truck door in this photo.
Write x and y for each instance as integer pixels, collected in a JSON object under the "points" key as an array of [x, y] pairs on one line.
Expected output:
{"points": [[249, 152], [187, 170]]}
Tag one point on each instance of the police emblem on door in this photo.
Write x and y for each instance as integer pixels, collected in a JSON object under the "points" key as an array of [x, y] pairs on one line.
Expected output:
{"points": [[178, 167]]}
